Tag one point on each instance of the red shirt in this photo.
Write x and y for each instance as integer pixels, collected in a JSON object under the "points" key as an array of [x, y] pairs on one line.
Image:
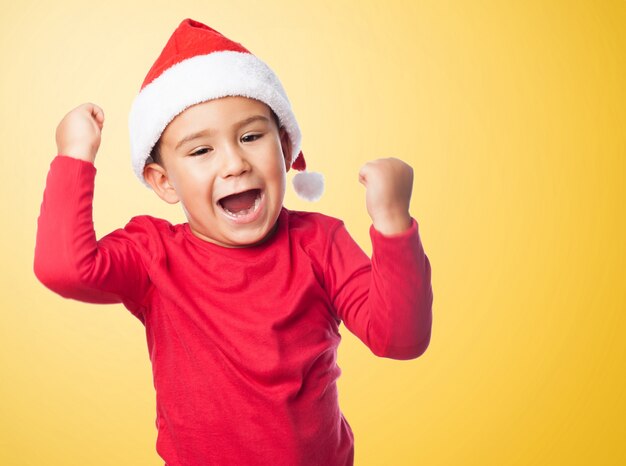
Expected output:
{"points": [[243, 341]]}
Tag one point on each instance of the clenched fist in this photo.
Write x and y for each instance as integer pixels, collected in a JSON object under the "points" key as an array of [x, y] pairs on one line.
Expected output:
{"points": [[388, 183], [78, 133]]}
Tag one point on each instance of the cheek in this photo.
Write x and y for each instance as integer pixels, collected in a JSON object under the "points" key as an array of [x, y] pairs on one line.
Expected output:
{"points": [[280, 180], [194, 182], [276, 173]]}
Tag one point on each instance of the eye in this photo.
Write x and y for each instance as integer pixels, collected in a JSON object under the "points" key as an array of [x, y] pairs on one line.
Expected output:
{"points": [[251, 137], [202, 151]]}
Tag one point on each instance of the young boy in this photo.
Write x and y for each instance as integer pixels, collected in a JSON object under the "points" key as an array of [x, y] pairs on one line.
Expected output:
{"points": [[242, 303]]}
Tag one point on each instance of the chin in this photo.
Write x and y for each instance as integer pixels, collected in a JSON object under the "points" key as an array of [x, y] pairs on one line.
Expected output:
{"points": [[244, 239]]}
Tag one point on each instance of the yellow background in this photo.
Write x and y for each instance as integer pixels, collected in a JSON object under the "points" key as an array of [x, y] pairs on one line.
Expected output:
{"points": [[513, 117]]}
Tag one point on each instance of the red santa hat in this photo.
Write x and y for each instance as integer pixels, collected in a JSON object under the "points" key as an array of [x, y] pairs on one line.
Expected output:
{"points": [[199, 64]]}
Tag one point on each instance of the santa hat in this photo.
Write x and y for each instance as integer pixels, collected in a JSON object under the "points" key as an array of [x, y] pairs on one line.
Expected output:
{"points": [[199, 64]]}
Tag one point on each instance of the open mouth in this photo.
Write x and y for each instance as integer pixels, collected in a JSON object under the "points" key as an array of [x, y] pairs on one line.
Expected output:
{"points": [[241, 204]]}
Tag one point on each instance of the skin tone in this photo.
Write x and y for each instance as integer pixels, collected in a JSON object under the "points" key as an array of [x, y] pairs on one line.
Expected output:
{"points": [[232, 156]]}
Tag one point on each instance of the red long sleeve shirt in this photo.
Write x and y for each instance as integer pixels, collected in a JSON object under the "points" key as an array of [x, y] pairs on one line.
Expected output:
{"points": [[243, 341]]}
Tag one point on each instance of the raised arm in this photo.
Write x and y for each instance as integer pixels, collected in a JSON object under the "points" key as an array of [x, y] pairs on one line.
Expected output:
{"points": [[68, 258], [386, 302]]}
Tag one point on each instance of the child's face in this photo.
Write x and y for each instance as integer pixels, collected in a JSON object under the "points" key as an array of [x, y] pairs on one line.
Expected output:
{"points": [[230, 177]]}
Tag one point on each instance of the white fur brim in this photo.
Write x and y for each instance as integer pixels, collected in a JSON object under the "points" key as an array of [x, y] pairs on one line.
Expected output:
{"points": [[198, 79]]}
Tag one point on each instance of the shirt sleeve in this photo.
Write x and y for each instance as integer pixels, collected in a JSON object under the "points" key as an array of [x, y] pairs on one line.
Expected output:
{"points": [[386, 301], [68, 258]]}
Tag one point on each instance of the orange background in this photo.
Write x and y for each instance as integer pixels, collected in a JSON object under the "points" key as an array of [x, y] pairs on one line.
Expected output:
{"points": [[513, 117]]}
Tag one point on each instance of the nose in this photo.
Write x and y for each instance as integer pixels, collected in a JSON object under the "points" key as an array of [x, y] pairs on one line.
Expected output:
{"points": [[234, 162]]}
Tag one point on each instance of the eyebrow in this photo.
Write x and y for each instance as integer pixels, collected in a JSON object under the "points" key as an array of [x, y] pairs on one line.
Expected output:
{"points": [[207, 132]]}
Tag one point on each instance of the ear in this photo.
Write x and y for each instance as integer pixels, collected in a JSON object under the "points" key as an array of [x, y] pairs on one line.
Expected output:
{"points": [[157, 177], [285, 142]]}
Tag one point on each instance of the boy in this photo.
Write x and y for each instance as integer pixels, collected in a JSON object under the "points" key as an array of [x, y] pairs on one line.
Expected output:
{"points": [[242, 303]]}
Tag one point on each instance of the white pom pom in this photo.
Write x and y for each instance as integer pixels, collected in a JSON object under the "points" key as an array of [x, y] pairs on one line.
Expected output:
{"points": [[309, 185]]}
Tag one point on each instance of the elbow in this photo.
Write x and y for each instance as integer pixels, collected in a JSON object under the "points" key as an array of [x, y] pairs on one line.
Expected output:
{"points": [[404, 353], [421, 348], [66, 280], [59, 279], [415, 338], [411, 341], [424, 330], [42, 272], [51, 277], [45, 266], [68, 284]]}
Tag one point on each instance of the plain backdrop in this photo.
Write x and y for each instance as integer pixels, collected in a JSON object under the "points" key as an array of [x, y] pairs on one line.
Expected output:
{"points": [[513, 117]]}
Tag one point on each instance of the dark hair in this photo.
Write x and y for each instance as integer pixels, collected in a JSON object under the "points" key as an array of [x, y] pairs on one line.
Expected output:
{"points": [[155, 153]]}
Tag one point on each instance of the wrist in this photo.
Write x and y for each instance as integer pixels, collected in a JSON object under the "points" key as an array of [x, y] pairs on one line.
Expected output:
{"points": [[392, 224], [77, 154]]}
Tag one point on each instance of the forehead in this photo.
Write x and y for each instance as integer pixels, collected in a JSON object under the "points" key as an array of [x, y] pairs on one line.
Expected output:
{"points": [[215, 115]]}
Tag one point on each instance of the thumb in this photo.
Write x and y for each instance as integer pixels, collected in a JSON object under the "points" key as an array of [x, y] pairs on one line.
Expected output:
{"points": [[98, 114], [363, 175]]}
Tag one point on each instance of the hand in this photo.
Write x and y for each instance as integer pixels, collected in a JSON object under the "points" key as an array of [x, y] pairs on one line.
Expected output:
{"points": [[388, 184], [78, 134]]}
